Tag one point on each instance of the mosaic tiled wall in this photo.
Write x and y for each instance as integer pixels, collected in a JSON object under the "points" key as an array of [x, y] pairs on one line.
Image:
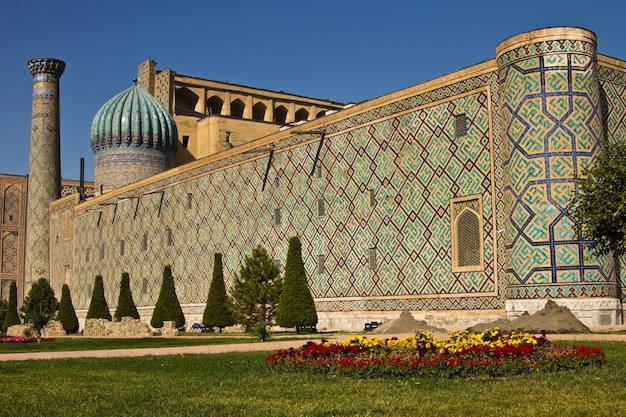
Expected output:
{"points": [[552, 124], [13, 208], [44, 181], [405, 153]]}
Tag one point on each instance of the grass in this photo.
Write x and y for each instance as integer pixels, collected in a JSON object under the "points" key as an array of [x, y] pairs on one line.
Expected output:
{"points": [[85, 343], [238, 384]]}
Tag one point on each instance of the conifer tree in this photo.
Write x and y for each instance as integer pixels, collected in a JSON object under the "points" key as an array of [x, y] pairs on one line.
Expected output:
{"points": [[67, 315], [167, 307], [217, 312], [296, 307], [256, 289], [126, 305], [40, 299], [98, 307], [11, 318]]}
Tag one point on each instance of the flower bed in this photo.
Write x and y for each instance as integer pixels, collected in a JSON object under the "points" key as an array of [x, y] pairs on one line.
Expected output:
{"points": [[464, 354], [22, 339]]}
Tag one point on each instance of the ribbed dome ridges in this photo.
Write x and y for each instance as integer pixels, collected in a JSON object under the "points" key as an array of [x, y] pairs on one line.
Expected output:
{"points": [[133, 118]]}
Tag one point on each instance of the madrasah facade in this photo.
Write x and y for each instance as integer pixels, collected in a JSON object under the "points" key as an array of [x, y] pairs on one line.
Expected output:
{"points": [[448, 198]]}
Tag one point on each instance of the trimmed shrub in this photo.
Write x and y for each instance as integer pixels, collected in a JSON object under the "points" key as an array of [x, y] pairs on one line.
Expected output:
{"points": [[217, 312], [11, 318], [126, 305], [296, 307], [256, 289], [98, 307], [40, 299], [167, 307], [67, 315]]}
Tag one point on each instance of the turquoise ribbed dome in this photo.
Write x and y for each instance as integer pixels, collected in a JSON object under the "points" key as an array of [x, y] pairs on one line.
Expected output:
{"points": [[133, 118]]}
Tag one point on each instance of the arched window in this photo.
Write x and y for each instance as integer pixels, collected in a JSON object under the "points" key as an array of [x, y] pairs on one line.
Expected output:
{"points": [[258, 111], [236, 108], [215, 104], [320, 114], [186, 100], [467, 236], [280, 115], [9, 253], [302, 114]]}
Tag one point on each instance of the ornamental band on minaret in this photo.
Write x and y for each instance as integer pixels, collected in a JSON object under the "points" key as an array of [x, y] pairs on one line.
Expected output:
{"points": [[44, 173]]}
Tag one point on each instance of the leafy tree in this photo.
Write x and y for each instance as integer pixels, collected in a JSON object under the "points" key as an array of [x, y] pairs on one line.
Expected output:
{"points": [[11, 317], [40, 298], [167, 307], [256, 289], [98, 307], [600, 209], [126, 305], [217, 312], [296, 307], [4, 306], [67, 315]]}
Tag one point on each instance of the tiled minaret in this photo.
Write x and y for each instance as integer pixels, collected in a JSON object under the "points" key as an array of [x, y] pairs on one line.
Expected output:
{"points": [[44, 174]]}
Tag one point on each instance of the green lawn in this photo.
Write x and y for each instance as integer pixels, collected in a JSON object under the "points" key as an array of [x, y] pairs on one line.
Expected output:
{"points": [[238, 384]]}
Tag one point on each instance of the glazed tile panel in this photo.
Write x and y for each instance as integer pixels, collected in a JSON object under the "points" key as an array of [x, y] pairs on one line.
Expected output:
{"points": [[552, 123], [405, 153]]}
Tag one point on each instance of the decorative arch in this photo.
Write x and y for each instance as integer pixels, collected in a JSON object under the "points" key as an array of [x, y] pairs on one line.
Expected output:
{"points": [[302, 114], [320, 113], [258, 111], [280, 115], [214, 104], [9, 253], [12, 197], [236, 108]]}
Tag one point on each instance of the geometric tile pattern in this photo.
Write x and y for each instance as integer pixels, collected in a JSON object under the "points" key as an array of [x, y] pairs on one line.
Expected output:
{"points": [[12, 227], [552, 125], [44, 180], [405, 152]]}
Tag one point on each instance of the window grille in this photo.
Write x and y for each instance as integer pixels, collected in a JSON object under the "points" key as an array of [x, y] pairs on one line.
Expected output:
{"points": [[102, 251], [189, 200], [321, 208], [144, 286], [372, 194], [460, 125], [319, 171], [372, 258], [320, 264], [277, 182], [468, 239], [122, 248], [277, 217], [144, 242], [168, 237], [87, 255]]}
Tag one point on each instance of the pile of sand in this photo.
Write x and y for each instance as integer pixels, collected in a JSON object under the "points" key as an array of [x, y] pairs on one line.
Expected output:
{"points": [[405, 324], [553, 319]]}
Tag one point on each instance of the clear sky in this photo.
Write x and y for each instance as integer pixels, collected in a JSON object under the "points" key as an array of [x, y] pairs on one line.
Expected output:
{"points": [[347, 51]]}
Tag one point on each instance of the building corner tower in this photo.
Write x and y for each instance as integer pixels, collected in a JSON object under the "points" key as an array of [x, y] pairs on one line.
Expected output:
{"points": [[44, 171]]}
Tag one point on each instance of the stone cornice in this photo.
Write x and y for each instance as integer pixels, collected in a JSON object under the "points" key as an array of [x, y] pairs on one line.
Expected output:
{"points": [[46, 66]]}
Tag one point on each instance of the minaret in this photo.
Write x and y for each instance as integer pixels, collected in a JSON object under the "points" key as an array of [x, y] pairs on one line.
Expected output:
{"points": [[44, 172]]}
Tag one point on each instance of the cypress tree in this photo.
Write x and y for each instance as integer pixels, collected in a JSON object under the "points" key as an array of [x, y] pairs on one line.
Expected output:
{"points": [[67, 315], [125, 305], [11, 318], [98, 307], [217, 312], [167, 307], [296, 307]]}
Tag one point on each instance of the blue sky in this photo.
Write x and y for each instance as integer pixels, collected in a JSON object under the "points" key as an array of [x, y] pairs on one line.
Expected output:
{"points": [[347, 51]]}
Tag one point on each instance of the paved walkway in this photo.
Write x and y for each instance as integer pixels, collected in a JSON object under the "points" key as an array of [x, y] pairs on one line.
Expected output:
{"points": [[244, 347]]}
